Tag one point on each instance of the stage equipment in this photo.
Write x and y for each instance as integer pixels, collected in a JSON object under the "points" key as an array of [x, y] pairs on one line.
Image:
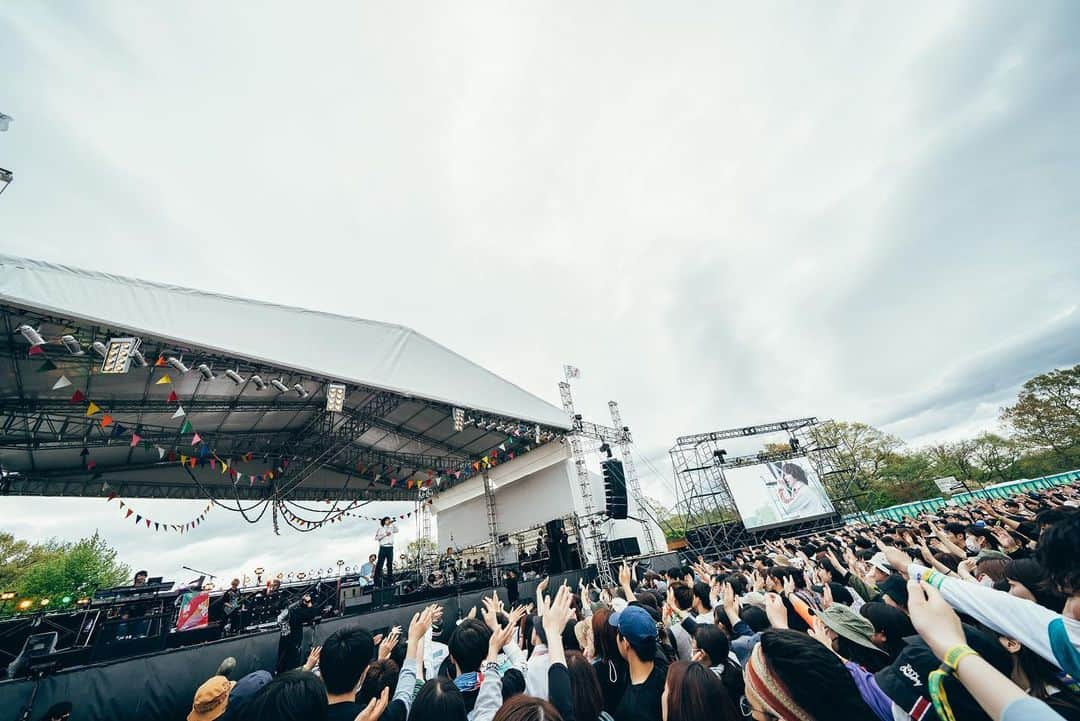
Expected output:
{"points": [[615, 488], [118, 354], [31, 335], [707, 505], [72, 345], [234, 376], [177, 364], [335, 397], [281, 387], [260, 384], [300, 390], [459, 420], [205, 372]]}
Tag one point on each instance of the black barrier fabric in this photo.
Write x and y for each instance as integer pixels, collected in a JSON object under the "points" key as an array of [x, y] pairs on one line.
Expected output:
{"points": [[161, 686]]}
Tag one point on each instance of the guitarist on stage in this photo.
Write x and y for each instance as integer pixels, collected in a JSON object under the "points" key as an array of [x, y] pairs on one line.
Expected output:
{"points": [[230, 602]]}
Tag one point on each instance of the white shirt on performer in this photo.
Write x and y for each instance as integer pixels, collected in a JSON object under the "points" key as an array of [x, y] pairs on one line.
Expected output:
{"points": [[385, 535]]}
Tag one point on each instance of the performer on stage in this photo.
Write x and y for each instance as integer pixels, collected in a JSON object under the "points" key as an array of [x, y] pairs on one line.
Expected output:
{"points": [[385, 538], [230, 603], [292, 620], [367, 571], [140, 578]]}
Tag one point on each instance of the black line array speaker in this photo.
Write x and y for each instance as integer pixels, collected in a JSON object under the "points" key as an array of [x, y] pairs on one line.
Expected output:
{"points": [[615, 488]]}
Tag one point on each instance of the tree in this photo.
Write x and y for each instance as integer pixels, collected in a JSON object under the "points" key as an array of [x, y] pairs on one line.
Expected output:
{"points": [[16, 556], [74, 569], [954, 459], [905, 477], [1046, 414], [858, 447], [995, 457]]}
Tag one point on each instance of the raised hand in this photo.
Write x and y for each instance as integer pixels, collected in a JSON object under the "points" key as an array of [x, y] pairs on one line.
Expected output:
{"points": [[491, 612], [374, 710], [313, 658], [789, 585], [386, 647], [420, 623], [933, 618], [776, 611]]}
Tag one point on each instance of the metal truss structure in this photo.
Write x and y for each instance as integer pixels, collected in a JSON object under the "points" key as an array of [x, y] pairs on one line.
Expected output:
{"points": [[714, 526], [382, 445], [587, 436]]}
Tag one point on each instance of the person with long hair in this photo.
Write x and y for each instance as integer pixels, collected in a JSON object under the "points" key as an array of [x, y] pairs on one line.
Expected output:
{"points": [[585, 689], [611, 668], [692, 692], [712, 648], [439, 700], [527, 708], [891, 626], [797, 497]]}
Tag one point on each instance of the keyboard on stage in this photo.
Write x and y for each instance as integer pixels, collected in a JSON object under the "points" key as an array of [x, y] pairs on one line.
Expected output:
{"points": [[129, 593]]}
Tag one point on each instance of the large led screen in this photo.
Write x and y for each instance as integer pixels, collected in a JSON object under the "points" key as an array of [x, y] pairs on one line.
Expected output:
{"points": [[775, 493]]}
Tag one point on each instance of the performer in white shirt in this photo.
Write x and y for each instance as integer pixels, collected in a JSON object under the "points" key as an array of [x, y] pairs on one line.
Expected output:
{"points": [[385, 538]]}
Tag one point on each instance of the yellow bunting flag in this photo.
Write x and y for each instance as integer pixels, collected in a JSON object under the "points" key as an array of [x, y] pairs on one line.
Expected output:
{"points": [[183, 459], [93, 409], [224, 467], [163, 380]]}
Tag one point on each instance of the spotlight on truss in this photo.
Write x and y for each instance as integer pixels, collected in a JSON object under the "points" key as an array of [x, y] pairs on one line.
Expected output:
{"points": [[335, 397], [259, 382], [282, 388], [5, 121], [300, 390], [235, 377], [118, 354], [138, 357], [99, 348], [72, 345], [459, 420], [719, 455], [177, 364], [31, 335], [204, 369]]}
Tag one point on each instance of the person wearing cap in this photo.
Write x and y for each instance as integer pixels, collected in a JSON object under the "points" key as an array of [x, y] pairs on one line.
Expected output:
{"points": [[211, 699], [851, 637], [636, 639]]}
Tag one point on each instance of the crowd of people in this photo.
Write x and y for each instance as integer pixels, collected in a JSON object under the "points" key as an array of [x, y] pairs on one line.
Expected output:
{"points": [[973, 613]]}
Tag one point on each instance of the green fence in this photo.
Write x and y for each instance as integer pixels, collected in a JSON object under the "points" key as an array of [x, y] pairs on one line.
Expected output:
{"points": [[933, 505]]}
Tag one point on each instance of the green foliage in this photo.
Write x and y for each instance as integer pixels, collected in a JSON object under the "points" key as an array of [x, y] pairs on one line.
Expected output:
{"points": [[1046, 415], [56, 570]]}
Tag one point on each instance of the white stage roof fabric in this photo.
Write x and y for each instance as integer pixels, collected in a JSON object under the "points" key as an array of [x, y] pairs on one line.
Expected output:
{"points": [[379, 355]]}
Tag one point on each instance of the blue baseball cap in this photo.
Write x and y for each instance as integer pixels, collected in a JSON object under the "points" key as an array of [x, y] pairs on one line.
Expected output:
{"points": [[634, 624]]}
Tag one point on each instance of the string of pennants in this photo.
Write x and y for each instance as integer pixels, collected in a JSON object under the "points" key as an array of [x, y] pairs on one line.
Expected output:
{"points": [[201, 454], [157, 525], [305, 523]]}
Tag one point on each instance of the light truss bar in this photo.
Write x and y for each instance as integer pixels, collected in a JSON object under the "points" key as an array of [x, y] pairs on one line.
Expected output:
{"points": [[699, 438]]}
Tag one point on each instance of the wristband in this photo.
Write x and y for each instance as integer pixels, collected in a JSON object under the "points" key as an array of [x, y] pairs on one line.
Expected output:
{"points": [[955, 654]]}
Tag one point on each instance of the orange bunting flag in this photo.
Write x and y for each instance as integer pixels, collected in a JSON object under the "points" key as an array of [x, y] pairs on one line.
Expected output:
{"points": [[106, 421], [160, 361], [93, 409], [163, 380], [193, 461]]}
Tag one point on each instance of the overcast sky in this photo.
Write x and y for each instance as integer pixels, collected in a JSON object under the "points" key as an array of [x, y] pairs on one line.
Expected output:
{"points": [[723, 214]]}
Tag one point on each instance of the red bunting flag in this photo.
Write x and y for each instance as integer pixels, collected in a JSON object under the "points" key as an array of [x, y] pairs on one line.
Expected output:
{"points": [[148, 523], [173, 398], [128, 514], [91, 464], [77, 397], [112, 495], [35, 350]]}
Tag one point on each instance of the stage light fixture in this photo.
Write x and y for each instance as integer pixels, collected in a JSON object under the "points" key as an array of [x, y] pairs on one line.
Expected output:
{"points": [[118, 355], [84, 601], [99, 348], [234, 376], [537, 436], [335, 397], [31, 335], [139, 358], [719, 456], [65, 600], [25, 604], [72, 345], [459, 420], [204, 369], [177, 364], [794, 443], [301, 391], [7, 595], [605, 447], [5, 121], [279, 385], [6, 176], [259, 382], [44, 602]]}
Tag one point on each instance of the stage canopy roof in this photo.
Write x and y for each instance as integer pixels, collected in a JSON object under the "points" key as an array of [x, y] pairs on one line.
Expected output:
{"points": [[70, 429]]}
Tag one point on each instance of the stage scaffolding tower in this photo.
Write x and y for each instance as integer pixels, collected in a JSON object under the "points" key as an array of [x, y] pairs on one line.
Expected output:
{"points": [[591, 527], [708, 508], [630, 472]]}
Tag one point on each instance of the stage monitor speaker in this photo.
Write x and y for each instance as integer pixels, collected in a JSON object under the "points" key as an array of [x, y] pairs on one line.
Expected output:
{"points": [[354, 596], [615, 488], [624, 547]]}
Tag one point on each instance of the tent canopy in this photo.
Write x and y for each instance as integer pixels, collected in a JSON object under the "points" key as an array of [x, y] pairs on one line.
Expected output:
{"points": [[395, 433]]}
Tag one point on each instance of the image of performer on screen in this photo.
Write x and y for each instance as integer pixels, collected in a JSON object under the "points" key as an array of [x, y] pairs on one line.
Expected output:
{"points": [[385, 538], [797, 497]]}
